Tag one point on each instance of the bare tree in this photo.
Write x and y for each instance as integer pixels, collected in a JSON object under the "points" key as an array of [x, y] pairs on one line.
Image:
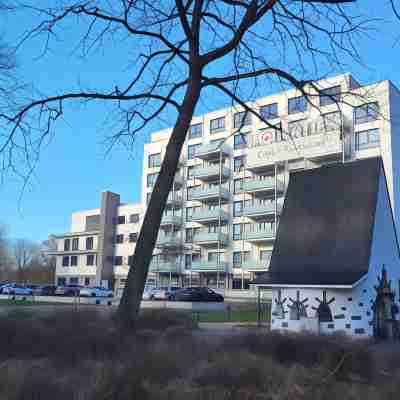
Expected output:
{"points": [[5, 264], [181, 49], [26, 253]]}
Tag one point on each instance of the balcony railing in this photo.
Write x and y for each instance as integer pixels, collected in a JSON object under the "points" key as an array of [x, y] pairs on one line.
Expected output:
{"points": [[210, 238], [209, 215], [174, 199], [210, 172], [259, 235], [209, 266], [164, 266], [209, 193], [171, 219], [261, 210], [264, 185], [168, 241], [212, 150], [256, 265]]}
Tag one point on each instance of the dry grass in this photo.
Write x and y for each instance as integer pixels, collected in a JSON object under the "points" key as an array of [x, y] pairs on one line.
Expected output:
{"points": [[87, 356]]}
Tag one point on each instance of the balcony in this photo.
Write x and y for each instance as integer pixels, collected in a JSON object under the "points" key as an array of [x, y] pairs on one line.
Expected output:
{"points": [[262, 186], [171, 241], [256, 265], [261, 211], [205, 216], [178, 182], [171, 219], [165, 266], [212, 193], [209, 266], [259, 235], [210, 239], [212, 150], [210, 173], [174, 200]]}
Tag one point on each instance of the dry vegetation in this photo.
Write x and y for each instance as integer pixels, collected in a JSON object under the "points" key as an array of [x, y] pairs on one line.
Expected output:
{"points": [[86, 355]]}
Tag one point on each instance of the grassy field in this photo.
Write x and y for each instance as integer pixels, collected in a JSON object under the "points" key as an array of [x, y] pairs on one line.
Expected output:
{"points": [[223, 316]]}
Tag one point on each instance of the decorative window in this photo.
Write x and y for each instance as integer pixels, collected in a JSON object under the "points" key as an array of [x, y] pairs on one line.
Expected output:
{"points": [[67, 244], [239, 142], [297, 104], [329, 96], [195, 131], [366, 113], [65, 261], [154, 160], [269, 111], [241, 119], [90, 259], [89, 243], [217, 125], [367, 139], [75, 243]]}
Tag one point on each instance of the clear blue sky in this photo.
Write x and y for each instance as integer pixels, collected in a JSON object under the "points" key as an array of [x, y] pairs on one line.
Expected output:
{"points": [[74, 168]]}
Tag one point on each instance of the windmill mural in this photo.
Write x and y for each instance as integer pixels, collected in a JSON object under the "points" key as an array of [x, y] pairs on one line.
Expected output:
{"points": [[279, 309], [323, 311], [298, 308]]}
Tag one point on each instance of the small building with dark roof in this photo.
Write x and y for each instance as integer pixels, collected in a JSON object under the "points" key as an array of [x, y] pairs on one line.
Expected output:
{"points": [[335, 265]]}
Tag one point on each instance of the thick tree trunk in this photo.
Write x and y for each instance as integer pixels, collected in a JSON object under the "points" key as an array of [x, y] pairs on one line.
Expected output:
{"points": [[129, 307]]}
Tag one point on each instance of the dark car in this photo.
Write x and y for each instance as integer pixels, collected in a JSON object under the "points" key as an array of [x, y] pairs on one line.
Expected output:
{"points": [[68, 290], [198, 294], [45, 290]]}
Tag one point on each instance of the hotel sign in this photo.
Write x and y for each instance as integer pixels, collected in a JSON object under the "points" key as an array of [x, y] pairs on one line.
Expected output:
{"points": [[304, 138]]}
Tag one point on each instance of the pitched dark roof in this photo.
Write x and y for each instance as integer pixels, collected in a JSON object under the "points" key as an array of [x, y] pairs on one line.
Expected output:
{"points": [[325, 231]]}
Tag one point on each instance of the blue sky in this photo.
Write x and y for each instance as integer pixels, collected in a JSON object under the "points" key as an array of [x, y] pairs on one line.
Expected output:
{"points": [[74, 168]]}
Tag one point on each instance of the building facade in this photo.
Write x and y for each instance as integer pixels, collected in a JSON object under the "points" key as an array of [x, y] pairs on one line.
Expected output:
{"points": [[219, 225]]}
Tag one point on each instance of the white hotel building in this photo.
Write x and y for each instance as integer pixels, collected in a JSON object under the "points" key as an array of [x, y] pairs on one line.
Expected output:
{"points": [[219, 225]]}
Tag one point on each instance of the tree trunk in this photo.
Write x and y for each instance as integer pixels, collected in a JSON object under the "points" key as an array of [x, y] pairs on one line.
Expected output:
{"points": [[129, 306]]}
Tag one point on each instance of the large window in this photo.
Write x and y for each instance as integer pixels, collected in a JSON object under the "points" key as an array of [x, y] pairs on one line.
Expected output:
{"points": [[151, 179], [154, 160], [239, 142], [238, 208], [238, 185], [297, 104], [237, 259], [217, 125], [241, 119], [92, 222], [189, 235], [366, 113], [189, 214], [191, 151], [89, 243], [65, 261], [237, 231], [269, 111], [75, 243], [188, 261], [367, 139], [90, 259], [67, 244], [118, 260], [239, 163], [134, 218], [74, 261], [195, 131], [329, 96]]}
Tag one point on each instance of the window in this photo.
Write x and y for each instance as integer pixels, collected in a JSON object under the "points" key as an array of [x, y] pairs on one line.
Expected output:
{"points": [[90, 259], [121, 219], [65, 261], [239, 142], [189, 214], [269, 111], [61, 281], [237, 259], [332, 121], [151, 179], [297, 104], [130, 260], [195, 131], [329, 96], [133, 237], [119, 238], [74, 261], [191, 190], [366, 113], [89, 243], [188, 261], [73, 281], [242, 118], [190, 171], [237, 231], [239, 163], [67, 244], [118, 260], [192, 149], [238, 208], [238, 185], [367, 139], [189, 235], [87, 281], [134, 218], [217, 125], [154, 160], [75, 243], [92, 222]]}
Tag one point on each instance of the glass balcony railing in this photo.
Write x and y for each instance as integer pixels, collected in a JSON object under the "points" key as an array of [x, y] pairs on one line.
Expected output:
{"points": [[168, 241], [210, 193], [171, 219], [259, 235], [210, 238], [261, 210], [254, 185], [210, 172], [256, 265], [212, 150], [210, 215], [209, 266], [164, 266]]}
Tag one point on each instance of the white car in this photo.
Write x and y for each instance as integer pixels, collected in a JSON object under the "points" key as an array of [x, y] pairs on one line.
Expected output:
{"points": [[19, 290], [148, 293], [96, 291], [165, 292]]}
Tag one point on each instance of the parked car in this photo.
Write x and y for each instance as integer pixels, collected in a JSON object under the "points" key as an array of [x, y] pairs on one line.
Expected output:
{"points": [[4, 285], [198, 294], [68, 290], [96, 291], [45, 290], [16, 289], [165, 292], [148, 293]]}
